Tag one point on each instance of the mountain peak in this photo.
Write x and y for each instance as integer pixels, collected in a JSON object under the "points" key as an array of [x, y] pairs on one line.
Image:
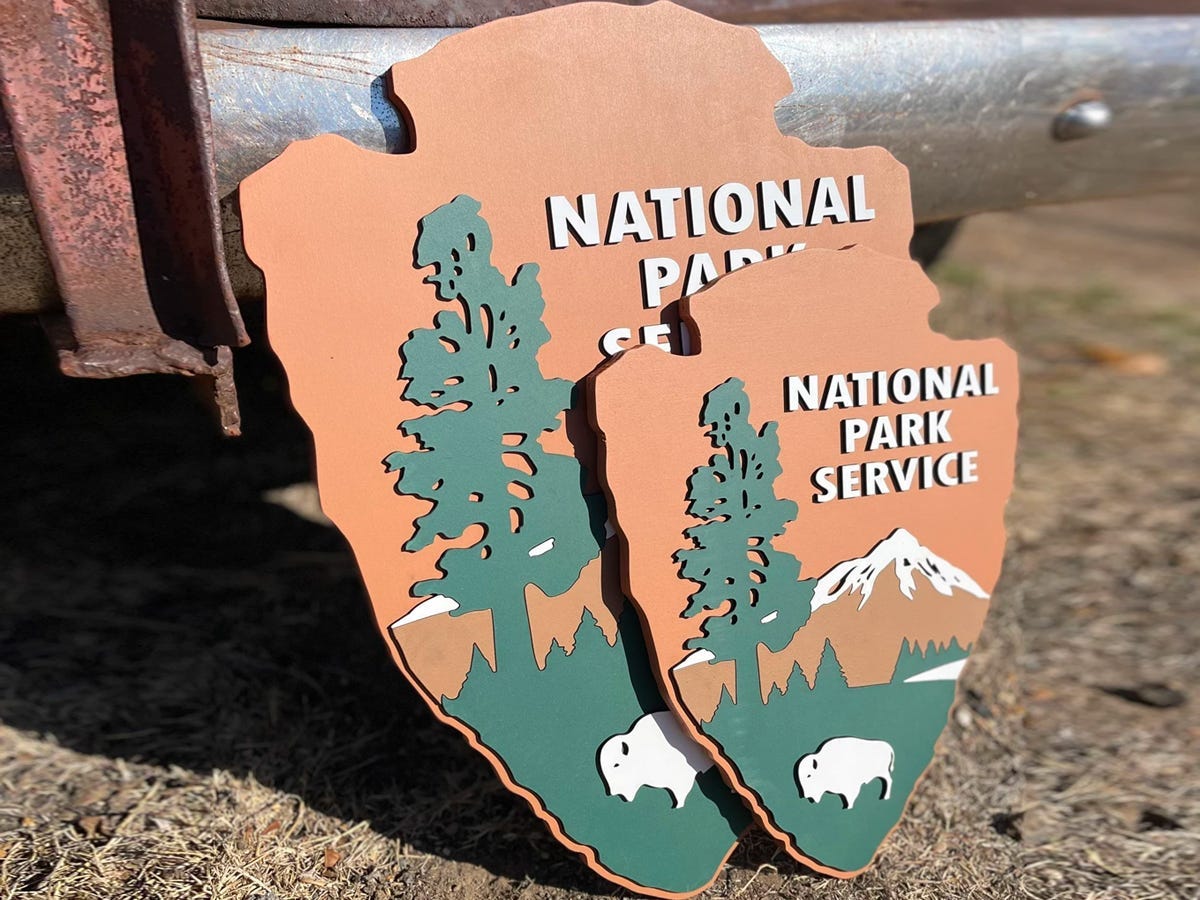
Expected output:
{"points": [[900, 540], [901, 551]]}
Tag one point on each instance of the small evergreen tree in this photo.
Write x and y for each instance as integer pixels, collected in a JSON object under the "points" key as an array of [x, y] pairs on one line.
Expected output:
{"points": [[723, 699], [480, 461], [830, 674], [755, 587], [588, 645], [796, 678], [913, 660], [909, 662]]}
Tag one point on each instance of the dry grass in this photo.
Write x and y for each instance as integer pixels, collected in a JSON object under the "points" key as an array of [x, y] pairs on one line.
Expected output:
{"points": [[193, 702]]}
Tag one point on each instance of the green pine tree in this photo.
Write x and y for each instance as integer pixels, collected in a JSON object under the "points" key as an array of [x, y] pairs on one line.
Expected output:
{"points": [[755, 587], [796, 678], [912, 660], [909, 661], [479, 662], [589, 646], [724, 701], [830, 674], [480, 461]]}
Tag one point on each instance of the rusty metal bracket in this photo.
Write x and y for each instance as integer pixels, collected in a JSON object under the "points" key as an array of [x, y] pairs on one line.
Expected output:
{"points": [[109, 116]]}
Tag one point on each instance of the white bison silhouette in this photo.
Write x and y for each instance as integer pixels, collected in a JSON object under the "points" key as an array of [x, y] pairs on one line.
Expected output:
{"points": [[842, 766], [655, 752]]}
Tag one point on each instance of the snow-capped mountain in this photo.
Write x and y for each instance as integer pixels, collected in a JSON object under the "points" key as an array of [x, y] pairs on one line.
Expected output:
{"points": [[915, 596], [902, 552]]}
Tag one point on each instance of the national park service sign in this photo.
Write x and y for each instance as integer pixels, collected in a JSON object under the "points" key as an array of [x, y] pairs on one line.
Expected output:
{"points": [[437, 314], [811, 512]]}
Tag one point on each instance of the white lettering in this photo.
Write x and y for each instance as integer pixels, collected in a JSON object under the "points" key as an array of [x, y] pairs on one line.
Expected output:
{"points": [[565, 219]]}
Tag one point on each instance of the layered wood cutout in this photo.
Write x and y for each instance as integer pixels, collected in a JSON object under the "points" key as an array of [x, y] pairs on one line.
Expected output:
{"points": [[436, 310], [811, 510]]}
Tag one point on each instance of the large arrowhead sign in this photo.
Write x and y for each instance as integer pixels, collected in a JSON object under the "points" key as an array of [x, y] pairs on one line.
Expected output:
{"points": [[574, 173], [811, 510]]}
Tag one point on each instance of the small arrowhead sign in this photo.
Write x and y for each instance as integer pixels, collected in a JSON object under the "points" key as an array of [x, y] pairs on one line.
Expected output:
{"points": [[811, 512]]}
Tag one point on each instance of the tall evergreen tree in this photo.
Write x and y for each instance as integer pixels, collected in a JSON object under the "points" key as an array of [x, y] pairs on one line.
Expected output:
{"points": [[754, 587], [830, 674], [480, 461]]}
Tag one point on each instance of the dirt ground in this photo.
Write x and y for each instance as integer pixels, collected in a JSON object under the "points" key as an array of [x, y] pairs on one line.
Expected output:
{"points": [[193, 702]]}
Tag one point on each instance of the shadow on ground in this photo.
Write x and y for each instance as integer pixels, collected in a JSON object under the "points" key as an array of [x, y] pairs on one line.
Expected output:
{"points": [[154, 607]]}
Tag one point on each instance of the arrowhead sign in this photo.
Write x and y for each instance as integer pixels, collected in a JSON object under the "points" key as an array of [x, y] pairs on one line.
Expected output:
{"points": [[811, 512], [574, 173]]}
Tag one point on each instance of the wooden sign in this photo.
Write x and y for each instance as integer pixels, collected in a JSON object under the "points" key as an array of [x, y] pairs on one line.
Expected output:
{"points": [[574, 173], [811, 512]]}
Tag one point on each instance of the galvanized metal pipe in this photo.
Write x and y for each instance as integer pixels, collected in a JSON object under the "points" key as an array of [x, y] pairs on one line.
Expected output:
{"points": [[465, 13], [968, 106], [978, 110]]}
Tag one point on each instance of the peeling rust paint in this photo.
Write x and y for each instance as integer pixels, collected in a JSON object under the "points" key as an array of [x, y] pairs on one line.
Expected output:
{"points": [[165, 119], [109, 121], [61, 101]]}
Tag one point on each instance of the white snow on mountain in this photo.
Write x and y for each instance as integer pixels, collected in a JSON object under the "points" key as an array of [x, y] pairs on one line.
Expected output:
{"points": [[905, 555], [544, 547], [694, 658], [945, 672], [433, 606]]}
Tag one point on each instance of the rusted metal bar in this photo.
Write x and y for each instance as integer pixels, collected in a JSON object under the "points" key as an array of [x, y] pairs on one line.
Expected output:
{"points": [[166, 121], [137, 297], [463, 13], [61, 100]]}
